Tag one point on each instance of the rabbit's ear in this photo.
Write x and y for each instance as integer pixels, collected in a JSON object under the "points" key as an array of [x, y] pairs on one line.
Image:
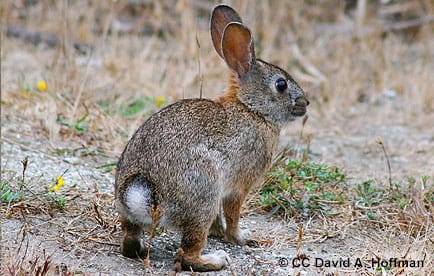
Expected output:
{"points": [[238, 49], [221, 16]]}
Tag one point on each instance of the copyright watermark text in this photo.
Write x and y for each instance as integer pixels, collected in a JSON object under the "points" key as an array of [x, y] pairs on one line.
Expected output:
{"points": [[348, 262]]}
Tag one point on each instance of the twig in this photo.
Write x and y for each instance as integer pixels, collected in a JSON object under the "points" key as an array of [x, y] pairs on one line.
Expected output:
{"points": [[25, 162], [300, 238], [98, 217], [156, 214], [82, 237], [397, 8], [303, 123], [408, 24], [199, 67], [26, 205], [81, 89], [360, 17], [380, 142], [308, 143], [27, 245]]}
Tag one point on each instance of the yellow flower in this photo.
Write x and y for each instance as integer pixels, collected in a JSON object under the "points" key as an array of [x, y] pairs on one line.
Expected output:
{"points": [[60, 182], [160, 101], [42, 86]]}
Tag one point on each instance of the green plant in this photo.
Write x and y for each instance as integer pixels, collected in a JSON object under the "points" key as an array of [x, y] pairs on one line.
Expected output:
{"points": [[371, 215], [134, 105], [294, 186], [19, 190], [402, 203], [8, 194], [137, 105], [79, 125], [55, 200], [108, 167], [368, 195], [424, 179]]}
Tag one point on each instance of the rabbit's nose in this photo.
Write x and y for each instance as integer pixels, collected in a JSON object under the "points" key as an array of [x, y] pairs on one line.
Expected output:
{"points": [[299, 108], [302, 101]]}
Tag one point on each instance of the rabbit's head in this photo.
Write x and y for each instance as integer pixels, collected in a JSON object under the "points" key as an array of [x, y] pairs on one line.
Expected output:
{"points": [[264, 88]]}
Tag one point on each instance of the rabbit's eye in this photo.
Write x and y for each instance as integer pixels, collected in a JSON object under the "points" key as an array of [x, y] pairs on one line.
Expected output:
{"points": [[281, 85]]}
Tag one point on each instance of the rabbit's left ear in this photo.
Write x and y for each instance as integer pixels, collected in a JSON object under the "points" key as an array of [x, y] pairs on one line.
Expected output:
{"points": [[221, 16], [237, 47]]}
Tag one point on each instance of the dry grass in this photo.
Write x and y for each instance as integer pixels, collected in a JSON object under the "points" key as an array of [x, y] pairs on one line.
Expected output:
{"points": [[151, 50], [85, 225], [337, 69]]}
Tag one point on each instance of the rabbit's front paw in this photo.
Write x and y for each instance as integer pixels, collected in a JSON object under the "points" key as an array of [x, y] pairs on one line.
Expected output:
{"points": [[218, 228], [240, 237]]}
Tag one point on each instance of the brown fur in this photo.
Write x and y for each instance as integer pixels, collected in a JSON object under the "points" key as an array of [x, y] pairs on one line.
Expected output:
{"points": [[197, 159], [231, 94]]}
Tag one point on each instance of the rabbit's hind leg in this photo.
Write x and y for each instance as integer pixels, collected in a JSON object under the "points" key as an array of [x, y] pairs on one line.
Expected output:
{"points": [[131, 245], [192, 243]]}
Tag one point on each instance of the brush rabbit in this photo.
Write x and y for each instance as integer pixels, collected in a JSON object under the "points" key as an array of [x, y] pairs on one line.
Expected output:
{"points": [[196, 160]]}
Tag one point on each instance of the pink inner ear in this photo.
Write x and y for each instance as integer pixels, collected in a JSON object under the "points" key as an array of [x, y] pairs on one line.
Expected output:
{"points": [[238, 50]]}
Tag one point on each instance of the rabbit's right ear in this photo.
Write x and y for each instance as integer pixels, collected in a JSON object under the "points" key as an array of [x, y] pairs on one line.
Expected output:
{"points": [[237, 47], [221, 16]]}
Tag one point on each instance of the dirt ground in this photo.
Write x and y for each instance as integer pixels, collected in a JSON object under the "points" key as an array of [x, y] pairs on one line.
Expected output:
{"points": [[356, 152], [83, 237]]}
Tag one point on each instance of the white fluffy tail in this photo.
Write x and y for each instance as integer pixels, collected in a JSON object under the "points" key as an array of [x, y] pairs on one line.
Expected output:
{"points": [[138, 200]]}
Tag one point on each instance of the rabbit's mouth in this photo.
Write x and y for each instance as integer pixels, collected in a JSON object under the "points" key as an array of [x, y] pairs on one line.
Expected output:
{"points": [[299, 108]]}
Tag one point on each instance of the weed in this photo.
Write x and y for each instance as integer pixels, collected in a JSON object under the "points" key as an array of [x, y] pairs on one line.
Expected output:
{"points": [[402, 203], [56, 201], [295, 187], [367, 195], [18, 190], [31, 91], [389, 169], [371, 215], [8, 194], [79, 125], [107, 167], [135, 106], [27, 261], [424, 179], [399, 200]]}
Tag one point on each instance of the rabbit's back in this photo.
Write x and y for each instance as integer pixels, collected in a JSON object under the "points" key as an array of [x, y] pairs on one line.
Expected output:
{"points": [[165, 139], [195, 151]]}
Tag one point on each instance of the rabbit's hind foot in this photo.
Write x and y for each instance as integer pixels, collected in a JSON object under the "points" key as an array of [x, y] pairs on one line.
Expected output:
{"points": [[131, 245], [207, 262]]}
